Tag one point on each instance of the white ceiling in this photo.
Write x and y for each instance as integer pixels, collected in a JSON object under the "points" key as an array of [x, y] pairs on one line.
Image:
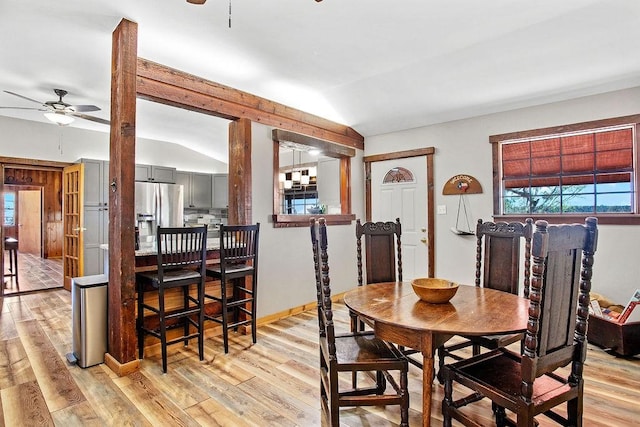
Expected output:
{"points": [[376, 65]]}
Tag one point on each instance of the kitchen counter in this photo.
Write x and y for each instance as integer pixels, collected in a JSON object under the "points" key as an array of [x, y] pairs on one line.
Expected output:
{"points": [[146, 256], [213, 243]]}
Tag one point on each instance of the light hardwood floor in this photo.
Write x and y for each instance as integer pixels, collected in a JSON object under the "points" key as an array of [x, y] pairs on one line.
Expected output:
{"points": [[272, 383]]}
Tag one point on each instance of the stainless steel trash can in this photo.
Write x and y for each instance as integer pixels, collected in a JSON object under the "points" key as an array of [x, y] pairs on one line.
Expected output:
{"points": [[89, 313]]}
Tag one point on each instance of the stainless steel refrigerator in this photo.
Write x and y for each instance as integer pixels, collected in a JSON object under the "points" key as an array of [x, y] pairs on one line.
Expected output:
{"points": [[157, 205]]}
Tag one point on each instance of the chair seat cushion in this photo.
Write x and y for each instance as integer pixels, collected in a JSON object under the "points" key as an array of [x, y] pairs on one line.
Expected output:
{"points": [[363, 348], [171, 277], [231, 269]]}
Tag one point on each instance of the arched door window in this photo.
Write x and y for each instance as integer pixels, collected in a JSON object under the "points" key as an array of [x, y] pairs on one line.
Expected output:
{"points": [[396, 175]]}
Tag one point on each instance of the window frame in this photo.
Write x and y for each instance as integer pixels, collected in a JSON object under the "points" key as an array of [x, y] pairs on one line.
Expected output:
{"points": [[603, 218]]}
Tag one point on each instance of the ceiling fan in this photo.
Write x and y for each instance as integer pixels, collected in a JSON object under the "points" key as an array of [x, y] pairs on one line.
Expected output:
{"points": [[60, 112]]}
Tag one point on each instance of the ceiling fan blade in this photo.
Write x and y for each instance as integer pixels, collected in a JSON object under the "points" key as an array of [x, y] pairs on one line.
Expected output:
{"points": [[82, 108], [24, 108], [24, 97], [91, 118]]}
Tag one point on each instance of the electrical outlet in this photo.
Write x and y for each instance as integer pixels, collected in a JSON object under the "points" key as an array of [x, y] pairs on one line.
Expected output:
{"points": [[442, 209]]}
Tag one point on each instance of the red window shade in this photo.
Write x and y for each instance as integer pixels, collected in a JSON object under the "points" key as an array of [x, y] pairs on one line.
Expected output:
{"points": [[545, 166], [579, 159]]}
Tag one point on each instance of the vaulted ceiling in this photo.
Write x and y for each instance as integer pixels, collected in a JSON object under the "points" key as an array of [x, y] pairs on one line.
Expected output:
{"points": [[377, 66]]}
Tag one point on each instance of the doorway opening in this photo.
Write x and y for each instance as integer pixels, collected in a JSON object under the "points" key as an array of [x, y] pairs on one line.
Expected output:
{"points": [[32, 227]]}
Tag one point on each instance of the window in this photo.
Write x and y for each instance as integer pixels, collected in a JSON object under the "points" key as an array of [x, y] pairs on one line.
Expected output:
{"points": [[576, 170], [9, 209], [398, 174]]}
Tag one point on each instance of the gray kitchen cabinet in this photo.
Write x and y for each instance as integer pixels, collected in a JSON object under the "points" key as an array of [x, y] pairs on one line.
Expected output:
{"points": [[96, 182], [220, 190], [96, 214], [197, 189], [202, 190], [184, 179], [152, 173], [96, 233]]}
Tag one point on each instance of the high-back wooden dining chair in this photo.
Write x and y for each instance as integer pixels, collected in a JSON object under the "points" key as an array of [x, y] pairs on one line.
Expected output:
{"points": [[352, 352], [498, 263], [383, 253], [527, 384], [238, 260], [181, 256]]}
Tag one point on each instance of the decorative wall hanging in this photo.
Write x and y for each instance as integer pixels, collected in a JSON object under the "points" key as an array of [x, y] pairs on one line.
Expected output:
{"points": [[462, 185]]}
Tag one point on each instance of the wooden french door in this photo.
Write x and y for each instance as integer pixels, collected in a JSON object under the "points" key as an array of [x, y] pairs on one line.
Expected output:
{"points": [[73, 222]]}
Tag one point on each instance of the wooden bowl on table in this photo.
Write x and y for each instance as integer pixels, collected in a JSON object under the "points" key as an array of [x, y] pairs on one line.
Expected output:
{"points": [[434, 291]]}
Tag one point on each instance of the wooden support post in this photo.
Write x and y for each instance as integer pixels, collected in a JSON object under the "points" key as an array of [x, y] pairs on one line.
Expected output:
{"points": [[122, 348], [240, 172]]}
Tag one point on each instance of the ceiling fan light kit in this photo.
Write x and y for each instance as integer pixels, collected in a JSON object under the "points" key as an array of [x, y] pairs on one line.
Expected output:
{"points": [[59, 118]]}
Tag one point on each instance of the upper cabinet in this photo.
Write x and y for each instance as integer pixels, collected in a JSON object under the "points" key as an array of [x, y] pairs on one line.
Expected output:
{"points": [[153, 173], [96, 182], [198, 189], [220, 190]]}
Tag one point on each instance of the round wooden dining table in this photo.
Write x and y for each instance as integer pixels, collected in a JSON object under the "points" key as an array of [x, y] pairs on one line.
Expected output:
{"points": [[400, 317]]}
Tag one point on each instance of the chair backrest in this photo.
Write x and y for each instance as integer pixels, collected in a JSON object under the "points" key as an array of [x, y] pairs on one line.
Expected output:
{"points": [[382, 242], [323, 283], [239, 245], [559, 300], [181, 247], [499, 263]]}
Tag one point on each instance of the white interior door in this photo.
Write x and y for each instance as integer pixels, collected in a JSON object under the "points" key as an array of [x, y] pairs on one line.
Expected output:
{"points": [[404, 196]]}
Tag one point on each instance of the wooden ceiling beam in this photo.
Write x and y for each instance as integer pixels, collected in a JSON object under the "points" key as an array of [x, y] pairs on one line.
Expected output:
{"points": [[169, 86]]}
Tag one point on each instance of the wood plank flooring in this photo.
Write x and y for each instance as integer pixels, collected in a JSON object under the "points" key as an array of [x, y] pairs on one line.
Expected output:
{"points": [[272, 383]]}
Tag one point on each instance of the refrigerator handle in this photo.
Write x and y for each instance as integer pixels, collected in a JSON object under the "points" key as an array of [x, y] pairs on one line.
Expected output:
{"points": [[158, 201]]}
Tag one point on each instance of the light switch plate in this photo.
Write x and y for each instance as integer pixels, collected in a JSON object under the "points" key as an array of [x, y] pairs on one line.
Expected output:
{"points": [[442, 209]]}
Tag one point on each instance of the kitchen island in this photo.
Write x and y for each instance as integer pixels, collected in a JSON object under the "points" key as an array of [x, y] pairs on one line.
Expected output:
{"points": [[146, 260]]}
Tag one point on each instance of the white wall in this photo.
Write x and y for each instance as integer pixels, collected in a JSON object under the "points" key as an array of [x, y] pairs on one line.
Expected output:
{"points": [[286, 270], [286, 275], [44, 141], [463, 147]]}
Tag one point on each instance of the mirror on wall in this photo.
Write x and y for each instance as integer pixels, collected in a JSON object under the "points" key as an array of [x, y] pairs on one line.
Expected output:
{"points": [[311, 178]]}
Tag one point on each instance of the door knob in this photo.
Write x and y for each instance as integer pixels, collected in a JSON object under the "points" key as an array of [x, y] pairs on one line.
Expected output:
{"points": [[424, 240]]}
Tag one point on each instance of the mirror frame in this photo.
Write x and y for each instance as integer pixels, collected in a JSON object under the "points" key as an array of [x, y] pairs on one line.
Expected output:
{"points": [[328, 149]]}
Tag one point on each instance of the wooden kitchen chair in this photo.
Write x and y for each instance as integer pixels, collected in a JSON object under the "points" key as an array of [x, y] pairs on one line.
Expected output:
{"points": [[383, 262], [383, 256], [527, 383], [383, 253], [352, 352], [181, 264], [238, 260], [497, 267]]}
